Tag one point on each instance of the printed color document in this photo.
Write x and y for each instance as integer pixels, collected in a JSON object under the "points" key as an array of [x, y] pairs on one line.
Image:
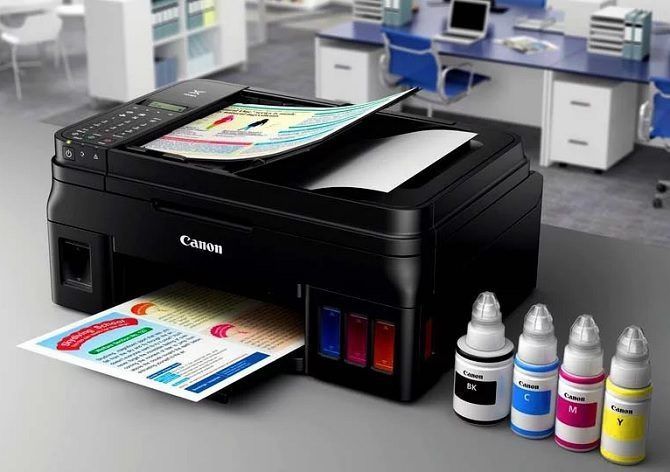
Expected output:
{"points": [[246, 131], [185, 340]]}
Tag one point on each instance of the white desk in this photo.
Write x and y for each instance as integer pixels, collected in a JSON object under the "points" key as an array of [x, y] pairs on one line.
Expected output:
{"points": [[13, 7]]}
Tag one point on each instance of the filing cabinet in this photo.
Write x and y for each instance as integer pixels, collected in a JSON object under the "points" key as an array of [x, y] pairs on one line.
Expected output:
{"points": [[593, 121], [348, 73]]}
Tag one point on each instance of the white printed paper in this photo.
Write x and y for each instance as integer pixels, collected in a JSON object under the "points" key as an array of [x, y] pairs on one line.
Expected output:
{"points": [[384, 164], [185, 340]]}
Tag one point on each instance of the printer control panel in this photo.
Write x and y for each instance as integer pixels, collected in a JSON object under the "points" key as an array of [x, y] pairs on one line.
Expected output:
{"points": [[112, 128], [86, 143]]}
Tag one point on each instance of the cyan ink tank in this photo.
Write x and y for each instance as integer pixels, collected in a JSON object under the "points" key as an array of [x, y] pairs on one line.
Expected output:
{"points": [[535, 376], [580, 388], [627, 400], [483, 367]]}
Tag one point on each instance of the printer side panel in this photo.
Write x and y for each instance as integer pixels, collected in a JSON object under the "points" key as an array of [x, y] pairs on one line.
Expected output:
{"points": [[495, 251]]}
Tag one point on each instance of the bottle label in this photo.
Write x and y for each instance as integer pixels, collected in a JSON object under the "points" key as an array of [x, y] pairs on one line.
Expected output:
{"points": [[625, 421], [479, 392], [578, 415], [531, 402]]}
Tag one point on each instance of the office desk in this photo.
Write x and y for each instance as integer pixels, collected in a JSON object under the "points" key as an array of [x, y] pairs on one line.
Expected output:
{"points": [[539, 71], [56, 417]]}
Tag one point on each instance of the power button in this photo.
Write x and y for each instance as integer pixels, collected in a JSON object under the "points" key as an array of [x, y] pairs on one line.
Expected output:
{"points": [[68, 153]]}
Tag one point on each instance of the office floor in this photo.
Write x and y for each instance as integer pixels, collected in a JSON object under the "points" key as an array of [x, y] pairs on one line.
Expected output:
{"points": [[616, 204]]}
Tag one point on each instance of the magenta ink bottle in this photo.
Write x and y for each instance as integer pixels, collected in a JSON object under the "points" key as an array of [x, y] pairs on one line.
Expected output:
{"points": [[581, 379]]}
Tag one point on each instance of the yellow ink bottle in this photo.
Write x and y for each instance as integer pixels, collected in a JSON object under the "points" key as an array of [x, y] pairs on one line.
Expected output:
{"points": [[627, 400]]}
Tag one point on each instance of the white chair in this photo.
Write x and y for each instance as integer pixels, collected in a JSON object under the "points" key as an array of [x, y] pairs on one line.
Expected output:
{"points": [[36, 29], [73, 9]]}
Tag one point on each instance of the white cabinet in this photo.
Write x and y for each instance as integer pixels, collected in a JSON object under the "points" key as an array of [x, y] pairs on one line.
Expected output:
{"points": [[133, 46], [592, 121], [348, 72]]}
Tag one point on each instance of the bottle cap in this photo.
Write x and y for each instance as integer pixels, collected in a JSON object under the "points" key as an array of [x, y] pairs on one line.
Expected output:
{"points": [[486, 331], [537, 343], [630, 366], [583, 356]]}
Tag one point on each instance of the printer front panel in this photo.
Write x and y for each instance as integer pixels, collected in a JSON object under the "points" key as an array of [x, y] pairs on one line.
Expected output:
{"points": [[137, 246]]}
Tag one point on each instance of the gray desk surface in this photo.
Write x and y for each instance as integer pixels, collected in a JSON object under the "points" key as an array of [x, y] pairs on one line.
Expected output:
{"points": [[59, 417]]}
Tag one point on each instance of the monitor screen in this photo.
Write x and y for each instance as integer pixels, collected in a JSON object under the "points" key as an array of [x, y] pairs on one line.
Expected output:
{"points": [[468, 15]]}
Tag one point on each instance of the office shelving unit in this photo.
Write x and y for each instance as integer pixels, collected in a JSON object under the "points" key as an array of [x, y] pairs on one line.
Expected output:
{"points": [[369, 10], [135, 46], [295, 4], [607, 31]]}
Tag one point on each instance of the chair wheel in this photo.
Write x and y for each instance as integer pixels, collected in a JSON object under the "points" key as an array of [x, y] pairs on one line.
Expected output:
{"points": [[662, 188], [598, 171], [562, 165], [658, 203]]}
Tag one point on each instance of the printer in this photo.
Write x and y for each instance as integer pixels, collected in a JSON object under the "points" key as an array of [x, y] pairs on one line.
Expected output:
{"points": [[394, 273]]}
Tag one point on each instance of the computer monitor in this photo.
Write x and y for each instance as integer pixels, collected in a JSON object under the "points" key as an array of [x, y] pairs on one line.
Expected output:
{"points": [[469, 17], [494, 7]]}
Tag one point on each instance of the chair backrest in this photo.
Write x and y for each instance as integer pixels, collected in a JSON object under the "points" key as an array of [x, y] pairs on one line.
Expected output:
{"points": [[660, 120], [412, 58], [37, 28], [524, 3]]}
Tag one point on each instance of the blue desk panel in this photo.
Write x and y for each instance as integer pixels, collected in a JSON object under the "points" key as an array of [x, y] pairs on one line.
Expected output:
{"points": [[571, 57]]}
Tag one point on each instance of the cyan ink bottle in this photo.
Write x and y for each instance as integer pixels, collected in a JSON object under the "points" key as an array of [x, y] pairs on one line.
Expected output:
{"points": [[535, 376], [580, 388], [627, 400], [483, 367]]}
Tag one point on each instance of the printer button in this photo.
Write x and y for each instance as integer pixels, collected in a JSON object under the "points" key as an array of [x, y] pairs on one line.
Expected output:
{"points": [[68, 153]]}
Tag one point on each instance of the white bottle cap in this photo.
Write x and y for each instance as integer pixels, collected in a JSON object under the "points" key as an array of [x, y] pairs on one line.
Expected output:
{"points": [[486, 332], [537, 343], [583, 356], [630, 365]]}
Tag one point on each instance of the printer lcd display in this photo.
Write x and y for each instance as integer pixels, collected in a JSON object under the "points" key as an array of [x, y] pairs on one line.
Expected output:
{"points": [[166, 106]]}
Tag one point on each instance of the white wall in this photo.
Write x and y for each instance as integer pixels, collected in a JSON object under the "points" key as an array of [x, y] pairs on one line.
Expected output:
{"points": [[660, 8]]}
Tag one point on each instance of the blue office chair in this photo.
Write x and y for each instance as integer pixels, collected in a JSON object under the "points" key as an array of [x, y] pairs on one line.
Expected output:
{"points": [[654, 123], [524, 3], [410, 61]]}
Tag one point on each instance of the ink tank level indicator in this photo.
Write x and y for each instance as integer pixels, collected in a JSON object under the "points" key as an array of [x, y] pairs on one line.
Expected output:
{"points": [[329, 332]]}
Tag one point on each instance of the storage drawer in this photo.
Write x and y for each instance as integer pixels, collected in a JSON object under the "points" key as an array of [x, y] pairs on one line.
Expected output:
{"points": [[348, 74], [581, 109], [579, 151], [592, 121]]}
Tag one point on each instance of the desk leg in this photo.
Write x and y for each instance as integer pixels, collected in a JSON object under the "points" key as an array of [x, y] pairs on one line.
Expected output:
{"points": [[547, 99]]}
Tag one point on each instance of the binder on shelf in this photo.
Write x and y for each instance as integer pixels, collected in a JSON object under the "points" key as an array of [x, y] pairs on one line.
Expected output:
{"points": [[628, 36], [641, 36], [164, 18], [165, 70], [200, 55], [621, 32], [200, 13]]}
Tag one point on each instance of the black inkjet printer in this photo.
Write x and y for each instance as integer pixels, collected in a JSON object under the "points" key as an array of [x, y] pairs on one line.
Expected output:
{"points": [[385, 280]]}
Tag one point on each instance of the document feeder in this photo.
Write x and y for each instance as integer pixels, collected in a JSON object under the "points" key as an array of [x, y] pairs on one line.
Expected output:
{"points": [[385, 280]]}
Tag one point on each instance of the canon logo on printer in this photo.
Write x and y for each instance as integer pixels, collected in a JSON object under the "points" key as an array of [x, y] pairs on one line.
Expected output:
{"points": [[195, 93], [201, 245]]}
